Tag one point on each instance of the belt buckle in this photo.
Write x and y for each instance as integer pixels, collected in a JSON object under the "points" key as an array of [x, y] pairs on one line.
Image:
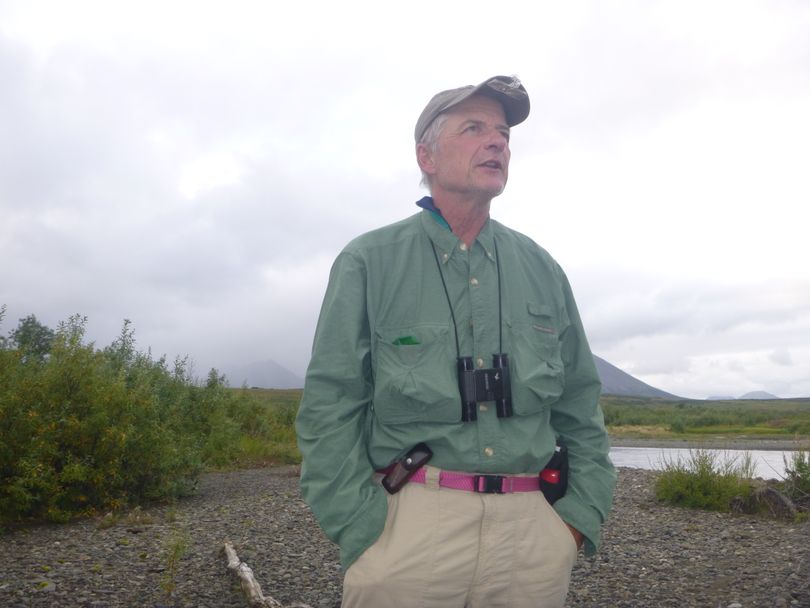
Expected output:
{"points": [[488, 484]]}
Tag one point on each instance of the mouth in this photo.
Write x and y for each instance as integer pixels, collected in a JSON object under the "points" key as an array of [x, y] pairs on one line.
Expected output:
{"points": [[492, 164]]}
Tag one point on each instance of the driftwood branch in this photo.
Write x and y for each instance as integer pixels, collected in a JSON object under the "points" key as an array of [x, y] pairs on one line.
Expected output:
{"points": [[766, 499], [250, 585]]}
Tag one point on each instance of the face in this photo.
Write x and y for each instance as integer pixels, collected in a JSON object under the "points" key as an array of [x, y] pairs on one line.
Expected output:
{"points": [[472, 151]]}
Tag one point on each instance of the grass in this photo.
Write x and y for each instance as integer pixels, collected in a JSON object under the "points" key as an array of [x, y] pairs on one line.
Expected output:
{"points": [[797, 477], [635, 417], [268, 435], [255, 451], [626, 417], [640, 431], [705, 481], [756, 431], [175, 549]]}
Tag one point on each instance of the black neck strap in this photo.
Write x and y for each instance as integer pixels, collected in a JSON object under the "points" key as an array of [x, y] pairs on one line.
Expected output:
{"points": [[450, 303]]}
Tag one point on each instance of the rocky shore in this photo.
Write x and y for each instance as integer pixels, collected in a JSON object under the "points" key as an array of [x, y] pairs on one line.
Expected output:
{"points": [[170, 556]]}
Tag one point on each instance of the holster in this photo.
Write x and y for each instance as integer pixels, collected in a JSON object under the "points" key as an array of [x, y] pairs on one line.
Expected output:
{"points": [[403, 469], [554, 477]]}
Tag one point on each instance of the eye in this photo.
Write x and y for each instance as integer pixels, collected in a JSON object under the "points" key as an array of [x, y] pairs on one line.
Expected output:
{"points": [[472, 128]]}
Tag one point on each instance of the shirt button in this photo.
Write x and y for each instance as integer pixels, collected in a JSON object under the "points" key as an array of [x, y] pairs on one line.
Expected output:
{"points": [[489, 452], [463, 246], [479, 362], [445, 257], [483, 407], [474, 282]]}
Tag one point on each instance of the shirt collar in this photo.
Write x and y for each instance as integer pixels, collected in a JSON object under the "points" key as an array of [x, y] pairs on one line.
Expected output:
{"points": [[426, 202], [440, 233]]}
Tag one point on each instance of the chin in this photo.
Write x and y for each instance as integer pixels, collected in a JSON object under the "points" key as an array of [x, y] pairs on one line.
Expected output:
{"points": [[495, 189]]}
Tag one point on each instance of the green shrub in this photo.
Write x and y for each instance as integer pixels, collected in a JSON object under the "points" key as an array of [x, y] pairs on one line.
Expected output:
{"points": [[797, 477], [282, 434], [84, 430], [788, 417], [702, 481], [677, 426]]}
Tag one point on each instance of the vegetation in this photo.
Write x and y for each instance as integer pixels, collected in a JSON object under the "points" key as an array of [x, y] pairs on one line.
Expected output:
{"points": [[797, 478], [701, 420], [175, 550], [84, 429], [704, 481]]}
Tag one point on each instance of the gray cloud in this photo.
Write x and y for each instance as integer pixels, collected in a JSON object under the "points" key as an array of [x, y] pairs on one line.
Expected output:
{"points": [[199, 177], [782, 357]]}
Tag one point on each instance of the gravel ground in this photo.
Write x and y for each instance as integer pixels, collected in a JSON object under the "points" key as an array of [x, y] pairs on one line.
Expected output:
{"points": [[653, 555]]}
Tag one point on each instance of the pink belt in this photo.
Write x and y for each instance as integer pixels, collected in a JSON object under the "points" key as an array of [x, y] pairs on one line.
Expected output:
{"points": [[487, 484]]}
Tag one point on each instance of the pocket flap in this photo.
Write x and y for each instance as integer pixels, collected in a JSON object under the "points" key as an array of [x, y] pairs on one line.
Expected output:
{"points": [[542, 318]]}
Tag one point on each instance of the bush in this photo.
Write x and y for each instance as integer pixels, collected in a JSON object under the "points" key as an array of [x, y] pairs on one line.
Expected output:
{"points": [[703, 482], [84, 430], [797, 477], [677, 426]]}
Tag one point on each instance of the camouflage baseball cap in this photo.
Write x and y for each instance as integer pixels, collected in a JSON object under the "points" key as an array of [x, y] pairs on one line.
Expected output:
{"points": [[506, 89]]}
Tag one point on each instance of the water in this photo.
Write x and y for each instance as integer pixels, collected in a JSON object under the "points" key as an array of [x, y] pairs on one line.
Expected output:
{"points": [[768, 464]]}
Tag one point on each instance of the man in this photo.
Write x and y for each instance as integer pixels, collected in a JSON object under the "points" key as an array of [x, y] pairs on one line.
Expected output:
{"points": [[413, 315]]}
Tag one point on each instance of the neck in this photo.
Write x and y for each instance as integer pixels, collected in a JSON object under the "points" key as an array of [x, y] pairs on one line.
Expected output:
{"points": [[466, 217]]}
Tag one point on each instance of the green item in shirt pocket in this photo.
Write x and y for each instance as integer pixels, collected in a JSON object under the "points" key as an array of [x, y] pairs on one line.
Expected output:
{"points": [[406, 341]]}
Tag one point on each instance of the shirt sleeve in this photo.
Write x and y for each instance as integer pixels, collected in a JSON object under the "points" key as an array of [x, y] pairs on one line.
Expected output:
{"points": [[336, 473], [577, 418]]}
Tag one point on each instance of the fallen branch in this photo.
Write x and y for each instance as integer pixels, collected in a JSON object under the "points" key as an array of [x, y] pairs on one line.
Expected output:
{"points": [[249, 583]]}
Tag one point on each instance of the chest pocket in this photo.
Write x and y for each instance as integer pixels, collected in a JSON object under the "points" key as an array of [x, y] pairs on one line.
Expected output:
{"points": [[538, 375], [414, 375]]}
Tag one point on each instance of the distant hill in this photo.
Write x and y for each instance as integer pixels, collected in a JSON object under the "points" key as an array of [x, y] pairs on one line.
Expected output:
{"points": [[758, 395], [263, 374], [617, 382]]}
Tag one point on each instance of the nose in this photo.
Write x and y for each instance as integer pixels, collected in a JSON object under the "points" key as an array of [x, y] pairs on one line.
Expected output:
{"points": [[497, 141]]}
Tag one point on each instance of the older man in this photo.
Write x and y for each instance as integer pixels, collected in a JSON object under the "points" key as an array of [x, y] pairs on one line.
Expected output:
{"points": [[450, 358]]}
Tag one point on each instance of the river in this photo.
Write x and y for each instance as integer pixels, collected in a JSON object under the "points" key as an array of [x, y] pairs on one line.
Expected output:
{"points": [[768, 464]]}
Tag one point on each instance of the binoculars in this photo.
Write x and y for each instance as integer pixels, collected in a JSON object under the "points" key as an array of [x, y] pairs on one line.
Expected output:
{"points": [[492, 384]]}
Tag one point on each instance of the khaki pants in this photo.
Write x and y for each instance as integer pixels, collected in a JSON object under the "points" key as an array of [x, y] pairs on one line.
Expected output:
{"points": [[447, 548]]}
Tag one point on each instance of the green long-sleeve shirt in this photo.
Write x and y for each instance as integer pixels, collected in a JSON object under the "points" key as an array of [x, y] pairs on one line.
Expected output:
{"points": [[383, 374]]}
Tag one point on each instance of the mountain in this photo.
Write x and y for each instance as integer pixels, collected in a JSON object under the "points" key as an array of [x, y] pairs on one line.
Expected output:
{"points": [[263, 374], [617, 382], [757, 395]]}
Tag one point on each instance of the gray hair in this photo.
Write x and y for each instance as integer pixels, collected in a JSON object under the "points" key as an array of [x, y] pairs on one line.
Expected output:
{"points": [[430, 139]]}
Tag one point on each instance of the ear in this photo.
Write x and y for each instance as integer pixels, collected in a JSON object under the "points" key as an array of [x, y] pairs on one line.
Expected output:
{"points": [[424, 157]]}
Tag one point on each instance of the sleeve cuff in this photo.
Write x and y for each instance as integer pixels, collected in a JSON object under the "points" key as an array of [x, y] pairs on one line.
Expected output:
{"points": [[584, 519]]}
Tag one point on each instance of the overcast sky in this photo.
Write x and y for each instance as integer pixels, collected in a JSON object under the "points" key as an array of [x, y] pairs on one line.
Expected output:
{"points": [[196, 166]]}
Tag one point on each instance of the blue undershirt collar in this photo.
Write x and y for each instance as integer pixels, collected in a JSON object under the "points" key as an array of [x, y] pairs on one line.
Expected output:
{"points": [[426, 202]]}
